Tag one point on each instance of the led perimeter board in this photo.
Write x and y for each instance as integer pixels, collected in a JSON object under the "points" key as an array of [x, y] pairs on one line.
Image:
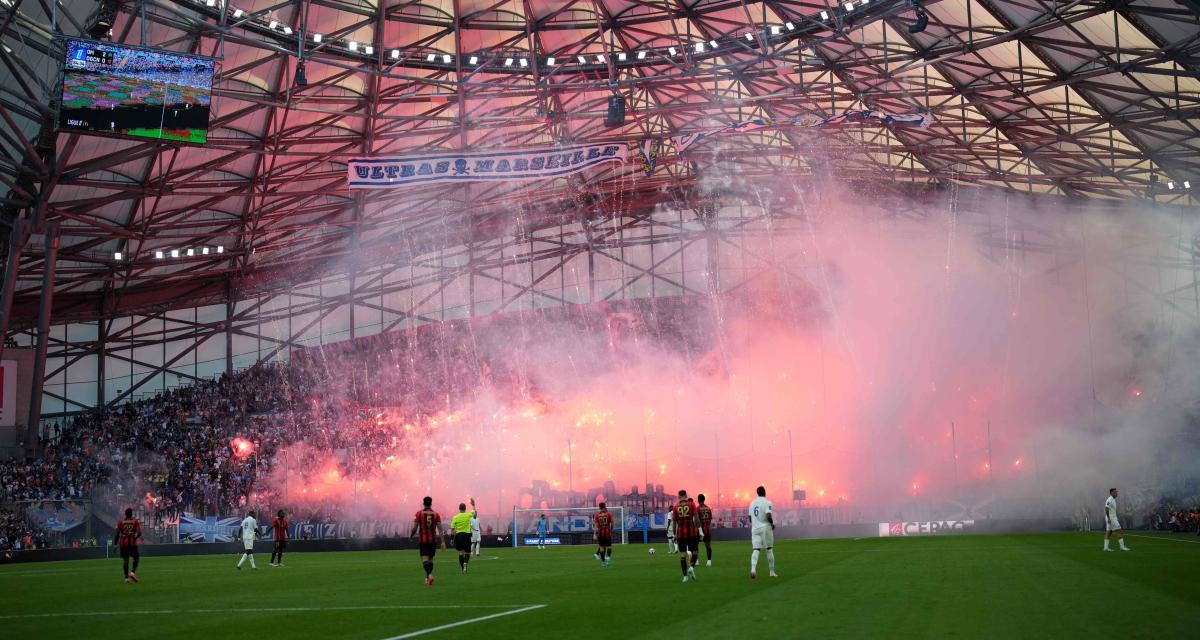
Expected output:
{"points": [[118, 90]]}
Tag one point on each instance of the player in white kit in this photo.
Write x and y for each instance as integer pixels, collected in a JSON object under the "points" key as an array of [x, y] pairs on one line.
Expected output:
{"points": [[762, 533], [1111, 523], [671, 546], [476, 534], [249, 532]]}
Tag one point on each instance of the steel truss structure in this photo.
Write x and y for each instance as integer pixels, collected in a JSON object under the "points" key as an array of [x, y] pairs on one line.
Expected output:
{"points": [[1089, 99]]}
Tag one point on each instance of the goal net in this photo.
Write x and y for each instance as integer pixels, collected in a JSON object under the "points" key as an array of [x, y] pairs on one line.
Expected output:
{"points": [[565, 526]]}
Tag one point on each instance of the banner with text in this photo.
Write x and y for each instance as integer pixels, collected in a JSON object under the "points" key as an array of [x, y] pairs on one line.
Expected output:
{"points": [[891, 529], [451, 166]]}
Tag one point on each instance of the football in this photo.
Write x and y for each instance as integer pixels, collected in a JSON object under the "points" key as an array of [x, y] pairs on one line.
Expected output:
{"points": [[651, 550]]}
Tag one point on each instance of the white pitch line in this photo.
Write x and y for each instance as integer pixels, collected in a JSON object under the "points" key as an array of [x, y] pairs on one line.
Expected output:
{"points": [[1134, 535], [460, 623], [68, 614]]}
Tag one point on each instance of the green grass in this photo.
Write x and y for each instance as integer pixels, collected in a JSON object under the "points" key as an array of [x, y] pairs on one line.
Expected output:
{"points": [[197, 136], [1014, 586]]}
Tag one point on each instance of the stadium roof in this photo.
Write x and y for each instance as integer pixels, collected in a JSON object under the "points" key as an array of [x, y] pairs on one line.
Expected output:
{"points": [[1084, 99]]}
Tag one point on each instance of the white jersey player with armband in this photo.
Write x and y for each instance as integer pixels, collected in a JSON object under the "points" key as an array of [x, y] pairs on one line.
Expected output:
{"points": [[762, 533], [1111, 523], [249, 533]]}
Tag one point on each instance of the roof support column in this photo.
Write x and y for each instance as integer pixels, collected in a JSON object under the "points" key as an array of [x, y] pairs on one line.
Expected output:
{"points": [[17, 239], [101, 352], [228, 328], [49, 264]]}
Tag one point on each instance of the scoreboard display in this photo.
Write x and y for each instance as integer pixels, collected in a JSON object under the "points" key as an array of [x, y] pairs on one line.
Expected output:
{"points": [[119, 90]]}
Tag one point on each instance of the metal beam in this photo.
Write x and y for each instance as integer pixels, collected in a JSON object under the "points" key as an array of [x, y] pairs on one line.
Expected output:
{"points": [[18, 236], [49, 262]]}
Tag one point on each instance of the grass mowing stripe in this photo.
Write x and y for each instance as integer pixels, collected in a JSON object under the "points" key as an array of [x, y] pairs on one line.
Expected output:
{"points": [[983, 586], [465, 622], [68, 614]]}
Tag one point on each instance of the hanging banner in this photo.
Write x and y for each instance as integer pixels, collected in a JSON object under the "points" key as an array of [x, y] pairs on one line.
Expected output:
{"points": [[646, 152], [684, 142], [57, 516], [451, 166], [210, 529]]}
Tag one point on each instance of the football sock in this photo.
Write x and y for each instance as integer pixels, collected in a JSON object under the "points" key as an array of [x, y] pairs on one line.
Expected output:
{"points": [[608, 553], [1120, 542], [242, 560], [428, 565], [708, 550], [135, 564], [1106, 543], [753, 560], [771, 560], [126, 562], [683, 565], [460, 561], [252, 565]]}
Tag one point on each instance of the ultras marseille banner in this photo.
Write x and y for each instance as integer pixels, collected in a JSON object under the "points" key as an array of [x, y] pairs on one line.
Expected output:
{"points": [[450, 166]]}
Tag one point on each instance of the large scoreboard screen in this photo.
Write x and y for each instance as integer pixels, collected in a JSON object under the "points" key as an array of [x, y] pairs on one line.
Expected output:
{"points": [[119, 90]]}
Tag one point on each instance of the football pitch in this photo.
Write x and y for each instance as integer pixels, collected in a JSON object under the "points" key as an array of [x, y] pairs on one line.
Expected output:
{"points": [[1002, 586]]}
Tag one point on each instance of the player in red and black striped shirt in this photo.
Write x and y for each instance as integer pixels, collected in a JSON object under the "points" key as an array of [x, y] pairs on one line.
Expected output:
{"points": [[704, 516], [129, 533], [687, 534], [279, 527], [428, 523], [602, 524]]}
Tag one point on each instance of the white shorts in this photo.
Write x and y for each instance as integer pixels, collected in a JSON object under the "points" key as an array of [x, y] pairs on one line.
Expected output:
{"points": [[475, 537], [1112, 525], [248, 545], [763, 538]]}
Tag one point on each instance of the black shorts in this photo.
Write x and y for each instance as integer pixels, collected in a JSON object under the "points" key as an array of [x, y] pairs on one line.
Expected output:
{"points": [[428, 549], [130, 552], [688, 544], [280, 545], [462, 542], [604, 541]]}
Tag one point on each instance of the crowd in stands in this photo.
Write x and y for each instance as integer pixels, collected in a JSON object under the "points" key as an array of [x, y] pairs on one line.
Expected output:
{"points": [[67, 469], [1175, 519], [17, 534], [173, 452]]}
